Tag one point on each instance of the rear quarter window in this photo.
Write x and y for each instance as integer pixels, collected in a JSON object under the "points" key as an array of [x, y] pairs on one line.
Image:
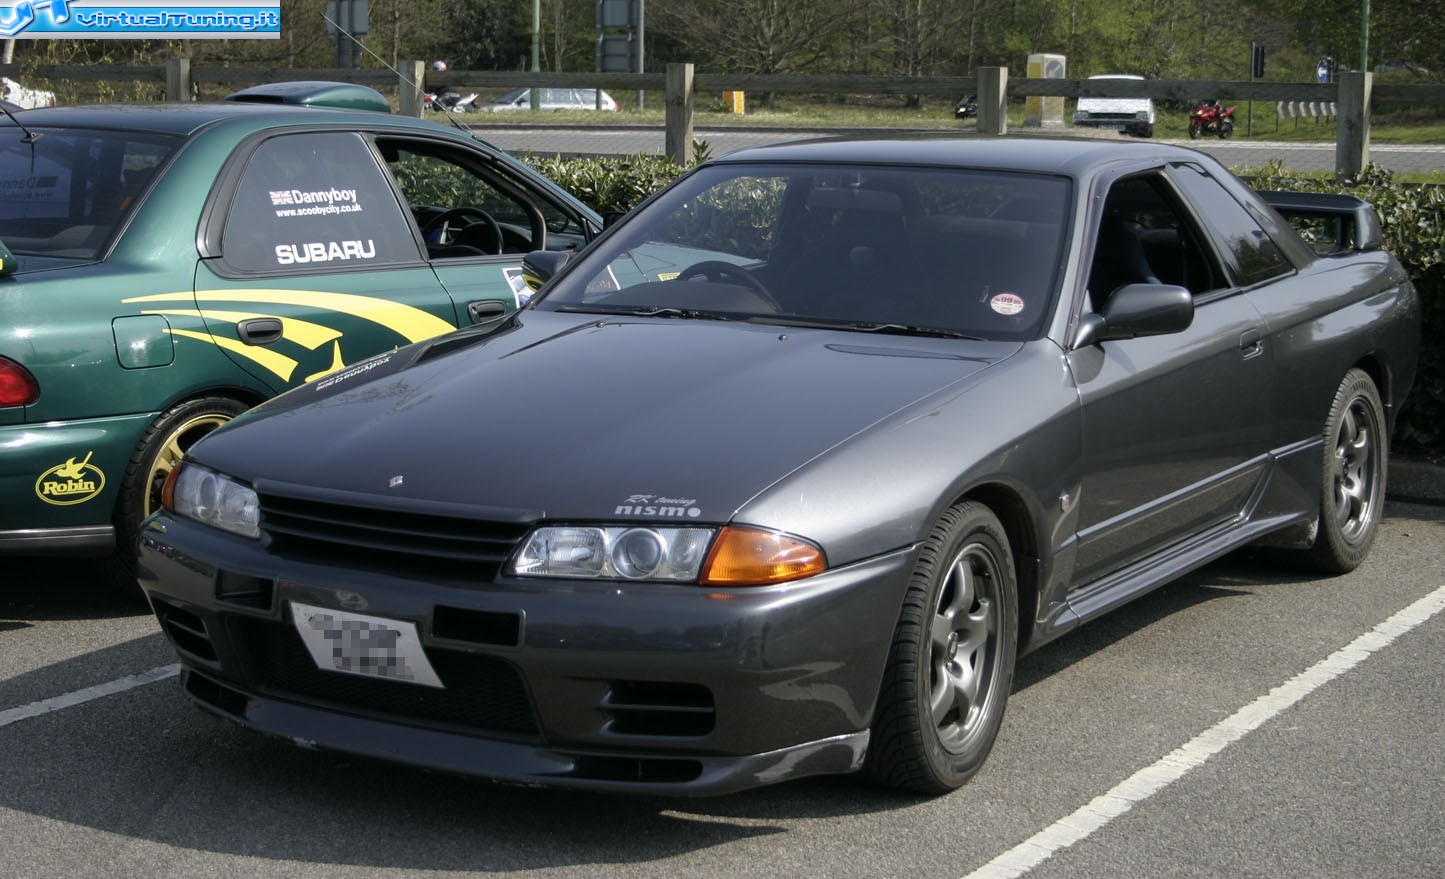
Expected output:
{"points": [[315, 200], [66, 194]]}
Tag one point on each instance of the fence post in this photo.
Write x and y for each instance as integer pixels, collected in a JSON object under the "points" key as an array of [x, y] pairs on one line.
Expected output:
{"points": [[679, 113], [178, 80], [1352, 131], [409, 88], [993, 100]]}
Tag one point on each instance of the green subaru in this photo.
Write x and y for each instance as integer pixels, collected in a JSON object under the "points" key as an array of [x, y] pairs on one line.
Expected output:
{"points": [[165, 267]]}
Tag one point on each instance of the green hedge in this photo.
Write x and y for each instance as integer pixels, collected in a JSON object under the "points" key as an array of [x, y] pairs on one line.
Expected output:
{"points": [[1413, 217]]}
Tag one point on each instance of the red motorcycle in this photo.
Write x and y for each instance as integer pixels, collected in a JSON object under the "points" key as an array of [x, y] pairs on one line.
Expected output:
{"points": [[1211, 117]]}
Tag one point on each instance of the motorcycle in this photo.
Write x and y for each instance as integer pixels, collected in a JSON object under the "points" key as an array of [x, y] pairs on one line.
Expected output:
{"points": [[450, 102], [966, 108], [1211, 117]]}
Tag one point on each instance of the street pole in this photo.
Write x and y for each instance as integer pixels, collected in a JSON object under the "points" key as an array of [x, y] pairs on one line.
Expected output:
{"points": [[536, 50]]}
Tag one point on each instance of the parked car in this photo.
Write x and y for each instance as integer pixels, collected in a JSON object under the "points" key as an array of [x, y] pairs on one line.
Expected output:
{"points": [[780, 476], [163, 268], [553, 99], [18, 95], [1130, 115]]}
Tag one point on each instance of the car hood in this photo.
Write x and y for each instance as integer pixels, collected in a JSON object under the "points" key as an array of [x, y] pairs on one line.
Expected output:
{"points": [[565, 415]]}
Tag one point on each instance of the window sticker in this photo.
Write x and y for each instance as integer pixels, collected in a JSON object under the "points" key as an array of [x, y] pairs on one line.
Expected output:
{"points": [[324, 251], [1006, 304]]}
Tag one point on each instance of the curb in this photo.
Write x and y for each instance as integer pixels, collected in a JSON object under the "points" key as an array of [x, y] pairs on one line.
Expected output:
{"points": [[1415, 482]]}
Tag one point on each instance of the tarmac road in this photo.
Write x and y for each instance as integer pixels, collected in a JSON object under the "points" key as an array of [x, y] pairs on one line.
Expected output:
{"points": [[1246, 721], [1237, 153]]}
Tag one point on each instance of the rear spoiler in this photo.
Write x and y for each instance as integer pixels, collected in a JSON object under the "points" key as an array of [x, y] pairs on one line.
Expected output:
{"points": [[1351, 222]]}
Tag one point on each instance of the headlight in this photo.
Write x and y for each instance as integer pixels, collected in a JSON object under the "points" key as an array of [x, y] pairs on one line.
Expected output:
{"points": [[617, 553], [740, 556], [1142, 115], [202, 494]]}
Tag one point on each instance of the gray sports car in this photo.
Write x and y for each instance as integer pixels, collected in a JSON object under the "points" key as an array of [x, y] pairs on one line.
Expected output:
{"points": [[779, 476]]}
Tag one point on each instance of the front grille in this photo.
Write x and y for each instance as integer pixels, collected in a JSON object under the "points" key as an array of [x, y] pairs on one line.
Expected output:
{"points": [[483, 695], [389, 539]]}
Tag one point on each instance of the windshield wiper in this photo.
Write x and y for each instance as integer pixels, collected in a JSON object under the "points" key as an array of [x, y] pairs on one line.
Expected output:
{"points": [[860, 326], [908, 330], [648, 311]]}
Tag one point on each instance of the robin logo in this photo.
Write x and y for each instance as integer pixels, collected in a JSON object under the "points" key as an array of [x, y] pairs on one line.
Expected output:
{"points": [[73, 482]]}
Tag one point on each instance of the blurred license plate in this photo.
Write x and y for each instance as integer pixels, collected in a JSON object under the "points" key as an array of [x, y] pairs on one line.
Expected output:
{"points": [[357, 644]]}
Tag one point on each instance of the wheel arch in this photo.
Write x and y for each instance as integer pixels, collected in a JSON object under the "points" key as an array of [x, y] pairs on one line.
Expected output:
{"points": [[1018, 524], [1379, 372]]}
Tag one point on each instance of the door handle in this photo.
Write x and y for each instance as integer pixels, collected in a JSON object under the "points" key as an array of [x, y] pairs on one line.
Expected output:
{"points": [[484, 310], [259, 330], [1251, 343]]}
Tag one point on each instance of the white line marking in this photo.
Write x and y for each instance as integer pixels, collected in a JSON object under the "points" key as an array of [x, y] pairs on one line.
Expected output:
{"points": [[1150, 780], [78, 697]]}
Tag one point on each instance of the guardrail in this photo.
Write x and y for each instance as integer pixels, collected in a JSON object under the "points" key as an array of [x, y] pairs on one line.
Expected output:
{"points": [[1352, 95]]}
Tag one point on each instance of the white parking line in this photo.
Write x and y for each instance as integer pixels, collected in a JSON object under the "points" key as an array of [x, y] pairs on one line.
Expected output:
{"points": [[79, 697], [1170, 768]]}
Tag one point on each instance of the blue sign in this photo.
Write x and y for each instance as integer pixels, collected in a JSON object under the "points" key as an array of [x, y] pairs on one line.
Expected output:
{"points": [[1322, 72], [140, 20]]}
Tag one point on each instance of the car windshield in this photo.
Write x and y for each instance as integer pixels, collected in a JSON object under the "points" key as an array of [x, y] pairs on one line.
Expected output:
{"points": [[65, 193], [948, 251]]}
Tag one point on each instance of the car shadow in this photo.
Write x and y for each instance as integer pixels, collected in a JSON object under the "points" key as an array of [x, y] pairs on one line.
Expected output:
{"points": [[1234, 575], [35, 588]]}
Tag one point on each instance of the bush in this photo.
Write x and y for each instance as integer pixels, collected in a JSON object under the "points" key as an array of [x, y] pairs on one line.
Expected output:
{"points": [[1413, 219], [608, 184]]}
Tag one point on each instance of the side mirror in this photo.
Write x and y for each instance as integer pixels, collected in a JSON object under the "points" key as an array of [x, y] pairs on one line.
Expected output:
{"points": [[1138, 310], [539, 266]]}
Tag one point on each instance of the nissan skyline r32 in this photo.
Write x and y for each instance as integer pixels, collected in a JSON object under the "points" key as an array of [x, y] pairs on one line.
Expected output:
{"points": [[166, 267], [780, 475]]}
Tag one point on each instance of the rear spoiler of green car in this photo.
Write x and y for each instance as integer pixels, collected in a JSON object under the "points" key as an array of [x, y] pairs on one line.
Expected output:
{"points": [[1350, 223], [313, 93]]}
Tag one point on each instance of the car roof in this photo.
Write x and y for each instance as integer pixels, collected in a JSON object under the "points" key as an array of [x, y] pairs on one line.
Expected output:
{"points": [[187, 119], [1045, 155]]}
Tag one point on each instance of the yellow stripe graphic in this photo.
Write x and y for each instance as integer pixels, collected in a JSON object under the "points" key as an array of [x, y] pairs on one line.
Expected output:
{"points": [[302, 332], [280, 364], [411, 323]]}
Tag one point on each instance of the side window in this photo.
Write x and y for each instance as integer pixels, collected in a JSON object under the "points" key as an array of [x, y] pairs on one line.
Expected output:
{"points": [[315, 201], [1253, 256], [1144, 239], [463, 208]]}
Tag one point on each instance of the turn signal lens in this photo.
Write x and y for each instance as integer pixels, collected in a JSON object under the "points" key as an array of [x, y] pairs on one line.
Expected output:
{"points": [[753, 557], [17, 386]]}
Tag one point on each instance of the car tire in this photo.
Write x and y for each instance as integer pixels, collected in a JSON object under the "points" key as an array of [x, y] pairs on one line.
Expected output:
{"points": [[1353, 476], [160, 448], [952, 658]]}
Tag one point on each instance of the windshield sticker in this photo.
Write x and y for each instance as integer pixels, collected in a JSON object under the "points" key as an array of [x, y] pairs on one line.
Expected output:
{"points": [[325, 251], [73, 482], [1007, 304], [520, 291], [658, 505]]}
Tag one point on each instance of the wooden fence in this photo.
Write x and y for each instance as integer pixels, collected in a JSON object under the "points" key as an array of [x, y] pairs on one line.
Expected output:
{"points": [[1353, 95]]}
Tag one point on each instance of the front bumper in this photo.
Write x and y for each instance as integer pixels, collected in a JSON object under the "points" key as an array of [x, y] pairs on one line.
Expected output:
{"points": [[600, 685]]}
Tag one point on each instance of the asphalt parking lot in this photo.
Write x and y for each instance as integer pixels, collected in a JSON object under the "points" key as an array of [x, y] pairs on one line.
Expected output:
{"points": [[1247, 721]]}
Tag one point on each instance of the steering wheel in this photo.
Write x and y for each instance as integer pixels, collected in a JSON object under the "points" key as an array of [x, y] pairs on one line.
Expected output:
{"points": [[722, 272], [445, 219]]}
